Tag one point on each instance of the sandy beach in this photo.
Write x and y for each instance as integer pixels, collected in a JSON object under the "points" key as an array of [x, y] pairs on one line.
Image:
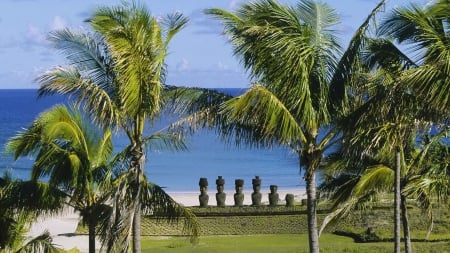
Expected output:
{"points": [[62, 227]]}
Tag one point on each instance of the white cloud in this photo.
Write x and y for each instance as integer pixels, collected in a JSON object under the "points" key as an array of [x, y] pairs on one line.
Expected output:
{"points": [[35, 36], [38, 69], [233, 4], [58, 23], [183, 65], [221, 66]]}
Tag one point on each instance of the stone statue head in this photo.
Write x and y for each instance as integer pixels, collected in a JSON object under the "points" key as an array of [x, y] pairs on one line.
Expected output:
{"points": [[239, 185], [273, 188], [203, 183], [220, 182], [256, 183]]}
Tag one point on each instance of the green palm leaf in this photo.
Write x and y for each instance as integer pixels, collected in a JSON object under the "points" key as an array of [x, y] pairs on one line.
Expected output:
{"points": [[41, 243], [264, 116]]}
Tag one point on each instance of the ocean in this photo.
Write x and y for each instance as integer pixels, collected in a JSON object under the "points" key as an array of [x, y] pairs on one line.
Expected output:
{"points": [[207, 155]]}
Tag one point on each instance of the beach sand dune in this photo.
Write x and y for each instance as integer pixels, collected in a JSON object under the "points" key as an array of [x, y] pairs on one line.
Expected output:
{"points": [[62, 227]]}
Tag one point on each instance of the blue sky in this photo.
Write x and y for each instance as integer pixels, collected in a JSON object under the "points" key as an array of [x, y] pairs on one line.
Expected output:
{"points": [[199, 54]]}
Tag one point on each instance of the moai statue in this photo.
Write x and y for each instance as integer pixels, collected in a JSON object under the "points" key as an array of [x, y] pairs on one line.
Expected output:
{"points": [[239, 196], [220, 195], [203, 197], [273, 195], [256, 195], [289, 200]]}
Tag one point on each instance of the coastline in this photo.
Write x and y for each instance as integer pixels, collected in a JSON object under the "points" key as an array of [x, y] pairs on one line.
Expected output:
{"points": [[62, 227]]}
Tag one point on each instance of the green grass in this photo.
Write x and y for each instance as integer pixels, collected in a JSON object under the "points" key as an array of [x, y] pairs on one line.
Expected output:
{"points": [[279, 244], [285, 230]]}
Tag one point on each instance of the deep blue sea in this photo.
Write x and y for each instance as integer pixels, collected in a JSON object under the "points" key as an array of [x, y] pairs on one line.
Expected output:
{"points": [[176, 171]]}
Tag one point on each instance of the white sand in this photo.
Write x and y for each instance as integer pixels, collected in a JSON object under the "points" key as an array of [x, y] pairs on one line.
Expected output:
{"points": [[62, 227]]}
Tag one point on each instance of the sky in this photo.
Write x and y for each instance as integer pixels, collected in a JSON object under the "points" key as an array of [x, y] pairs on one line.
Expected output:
{"points": [[199, 55]]}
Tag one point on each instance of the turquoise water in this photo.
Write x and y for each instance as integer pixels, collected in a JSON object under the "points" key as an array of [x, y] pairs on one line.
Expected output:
{"points": [[207, 156]]}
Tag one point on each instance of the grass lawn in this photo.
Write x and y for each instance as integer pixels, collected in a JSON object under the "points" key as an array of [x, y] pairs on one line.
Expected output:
{"points": [[278, 243]]}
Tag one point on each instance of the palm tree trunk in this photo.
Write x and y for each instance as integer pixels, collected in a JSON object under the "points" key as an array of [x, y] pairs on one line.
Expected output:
{"points": [[91, 227], [313, 235], [138, 162], [137, 229], [397, 232], [405, 221]]}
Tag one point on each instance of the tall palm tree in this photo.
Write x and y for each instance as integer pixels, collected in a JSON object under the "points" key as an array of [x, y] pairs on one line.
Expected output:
{"points": [[357, 182], [116, 74], [293, 53], [424, 31], [387, 121], [21, 202], [422, 71], [74, 155]]}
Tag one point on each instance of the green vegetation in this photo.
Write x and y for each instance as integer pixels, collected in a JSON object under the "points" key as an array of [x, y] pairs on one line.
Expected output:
{"points": [[252, 221], [387, 138], [288, 233], [279, 244], [309, 96], [21, 202], [75, 156], [294, 54], [266, 221], [118, 88]]}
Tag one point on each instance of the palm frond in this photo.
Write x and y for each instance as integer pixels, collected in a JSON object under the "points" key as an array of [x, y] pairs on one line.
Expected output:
{"points": [[196, 107], [41, 243], [85, 51], [384, 54], [350, 192], [115, 231], [139, 46], [349, 64], [84, 92], [188, 100], [157, 203], [424, 32], [258, 117], [172, 24], [291, 59], [171, 141]]}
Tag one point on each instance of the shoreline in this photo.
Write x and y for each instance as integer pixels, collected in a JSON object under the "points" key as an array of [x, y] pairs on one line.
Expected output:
{"points": [[62, 227]]}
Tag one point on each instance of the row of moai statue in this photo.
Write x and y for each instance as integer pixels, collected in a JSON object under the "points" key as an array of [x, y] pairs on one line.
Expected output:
{"points": [[239, 196]]}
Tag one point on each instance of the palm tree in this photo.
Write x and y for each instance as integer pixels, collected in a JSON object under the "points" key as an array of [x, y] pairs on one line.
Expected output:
{"points": [[116, 74], [356, 182], [293, 53], [431, 183], [74, 155], [387, 121], [423, 30], [21, 202]]}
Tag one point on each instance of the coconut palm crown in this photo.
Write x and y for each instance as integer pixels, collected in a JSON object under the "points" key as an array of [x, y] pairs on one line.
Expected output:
{"points": [[74, 155], [295, 56], [116, 74]]}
